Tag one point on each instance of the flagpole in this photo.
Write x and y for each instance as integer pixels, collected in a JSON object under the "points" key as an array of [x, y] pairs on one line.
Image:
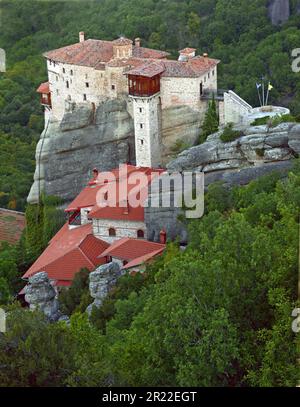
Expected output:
{"points": [[259, 95], [268, 93], [263, 89]]}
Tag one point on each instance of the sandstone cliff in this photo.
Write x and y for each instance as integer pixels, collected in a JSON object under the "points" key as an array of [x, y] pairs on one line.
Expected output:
{"points": [[68, 150]]}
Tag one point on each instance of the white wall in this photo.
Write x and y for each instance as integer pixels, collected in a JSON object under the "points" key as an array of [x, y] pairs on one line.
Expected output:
{"points": [[123, 229], [147, 138]]}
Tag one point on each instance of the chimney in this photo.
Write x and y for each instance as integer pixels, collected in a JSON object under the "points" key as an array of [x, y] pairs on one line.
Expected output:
{"points": [[137, 42], [186, 53], [81, 36], [205, 55], [163, 236]]}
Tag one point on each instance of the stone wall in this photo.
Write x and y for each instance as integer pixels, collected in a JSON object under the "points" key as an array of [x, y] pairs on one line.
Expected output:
{"points": [[235, 108]]}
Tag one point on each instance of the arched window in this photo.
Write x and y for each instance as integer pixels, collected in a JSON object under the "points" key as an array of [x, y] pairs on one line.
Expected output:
{"points": [[112, 232], [140, 234]]}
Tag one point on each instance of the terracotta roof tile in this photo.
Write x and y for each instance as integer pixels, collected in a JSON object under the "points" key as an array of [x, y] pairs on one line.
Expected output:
{"points": [[148, 70], [129, 249], [43, 88], [68, 252], [12, 224], [95, 53]]}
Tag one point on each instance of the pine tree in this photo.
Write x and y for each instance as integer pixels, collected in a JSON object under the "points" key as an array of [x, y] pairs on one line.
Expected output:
{"points": [[211, 121]]}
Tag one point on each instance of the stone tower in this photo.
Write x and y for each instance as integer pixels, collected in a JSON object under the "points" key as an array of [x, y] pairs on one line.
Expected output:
{"points": [[144, 90]]}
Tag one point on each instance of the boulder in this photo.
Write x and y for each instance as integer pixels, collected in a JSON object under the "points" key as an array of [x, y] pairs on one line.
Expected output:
{"points": [[40, 294], [101, 282]]}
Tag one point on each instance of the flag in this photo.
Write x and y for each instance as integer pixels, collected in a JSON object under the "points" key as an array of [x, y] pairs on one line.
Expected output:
{"points": [[270, 86], [258, 85]]}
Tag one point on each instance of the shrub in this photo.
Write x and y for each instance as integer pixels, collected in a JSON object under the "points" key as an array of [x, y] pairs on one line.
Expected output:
{"points": [[229, 134]]}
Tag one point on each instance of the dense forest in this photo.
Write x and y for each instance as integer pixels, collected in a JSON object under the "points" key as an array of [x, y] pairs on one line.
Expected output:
{"points": [[216, 314], [237, 31]]}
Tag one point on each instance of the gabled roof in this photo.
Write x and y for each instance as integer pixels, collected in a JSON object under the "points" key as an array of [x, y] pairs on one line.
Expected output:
{"points": [[136, 250], [148, 70], [12, 224], [69, 251], [94, 53], [43, 88], [120, 209]]}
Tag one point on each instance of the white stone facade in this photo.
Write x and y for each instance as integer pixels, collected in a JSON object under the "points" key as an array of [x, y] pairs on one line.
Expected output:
{"points": [[235, 108], [78, 84], [146, 113], [122, 229]]}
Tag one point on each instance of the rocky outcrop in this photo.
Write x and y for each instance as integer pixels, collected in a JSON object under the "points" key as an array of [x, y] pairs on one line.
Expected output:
{"points": [[259, 147], [103, 138], [101, 282], [279, 11], [40, 295], [84, 139]]}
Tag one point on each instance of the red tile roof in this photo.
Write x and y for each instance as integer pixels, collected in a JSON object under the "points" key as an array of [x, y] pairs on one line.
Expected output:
{"points": [[148, 70], [129, 249], [94, 53], [12, 224], [43, 88], [193, 68], [142, 259], [69, 251], [119, 210]]}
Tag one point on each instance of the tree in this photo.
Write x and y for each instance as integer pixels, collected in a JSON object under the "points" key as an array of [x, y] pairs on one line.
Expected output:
{"points": [[211, 121]]}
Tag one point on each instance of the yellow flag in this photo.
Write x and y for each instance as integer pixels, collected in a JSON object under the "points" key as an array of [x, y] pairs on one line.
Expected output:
{"points": [[270, 87]]}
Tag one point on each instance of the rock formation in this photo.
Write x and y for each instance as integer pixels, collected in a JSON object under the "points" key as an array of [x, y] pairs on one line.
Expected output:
{"points": [[40, 294], [279, 11], [68, 150], [259, 150], [101, 282]]}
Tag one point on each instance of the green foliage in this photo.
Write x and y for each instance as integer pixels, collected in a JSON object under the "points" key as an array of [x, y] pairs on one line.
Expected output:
{"points": [[76, 297], [229, 134], [42, 222], [33, 352], [211, 121]]}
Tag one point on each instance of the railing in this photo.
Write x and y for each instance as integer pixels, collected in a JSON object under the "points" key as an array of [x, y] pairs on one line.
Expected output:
{"points": [[218, 94]]}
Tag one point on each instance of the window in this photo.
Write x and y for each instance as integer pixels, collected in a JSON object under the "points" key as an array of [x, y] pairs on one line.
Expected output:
{"points": [[113, 87], [54, 63], [71, 72], [140, 234], [208, 75], [84, 97], [67, 84], [64, 71], [141, 110], [142, 142], [141, 125], [50, 62], [112, 232], [213, 72], [87, 85]]}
